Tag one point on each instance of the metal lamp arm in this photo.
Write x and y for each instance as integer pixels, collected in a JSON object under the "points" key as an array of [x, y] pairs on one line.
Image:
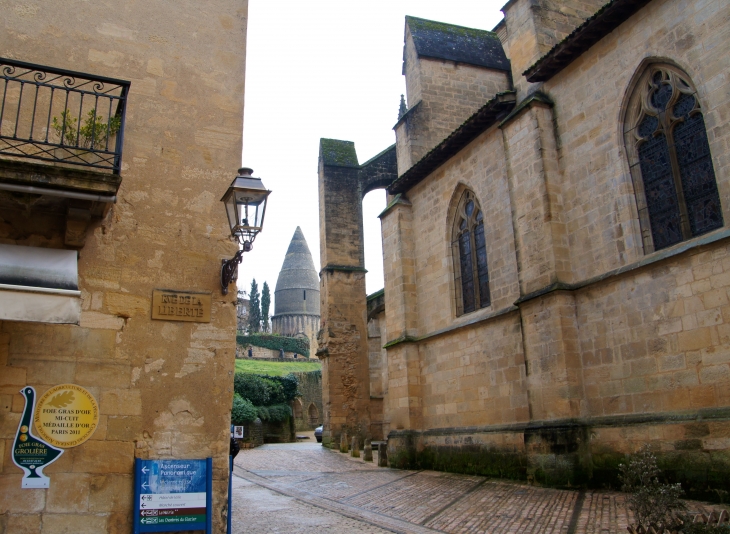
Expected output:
{"points": [[229, 270]]}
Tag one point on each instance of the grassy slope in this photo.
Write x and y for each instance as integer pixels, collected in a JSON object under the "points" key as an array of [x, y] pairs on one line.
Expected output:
{"points": [[275, 368]]}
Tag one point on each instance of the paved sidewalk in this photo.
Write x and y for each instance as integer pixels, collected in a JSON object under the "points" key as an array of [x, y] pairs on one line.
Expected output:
{"points": [[304, 488]]}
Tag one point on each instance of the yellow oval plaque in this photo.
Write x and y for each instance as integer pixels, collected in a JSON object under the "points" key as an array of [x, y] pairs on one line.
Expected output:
{"points": [[66, 415]]}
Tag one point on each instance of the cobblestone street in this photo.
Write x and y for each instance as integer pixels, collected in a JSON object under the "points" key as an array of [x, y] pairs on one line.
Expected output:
{"points": [[304, 488]]}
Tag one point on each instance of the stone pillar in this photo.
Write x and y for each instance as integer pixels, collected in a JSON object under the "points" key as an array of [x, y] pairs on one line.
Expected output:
{"points": [[382, 454], [401, 317], [342, 339], [343, 336], [549, 322], [536, 197], [533, 27], [367, 453]]}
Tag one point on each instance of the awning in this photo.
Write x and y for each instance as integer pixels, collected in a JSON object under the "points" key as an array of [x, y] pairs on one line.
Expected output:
{"points": [[39, 285]]}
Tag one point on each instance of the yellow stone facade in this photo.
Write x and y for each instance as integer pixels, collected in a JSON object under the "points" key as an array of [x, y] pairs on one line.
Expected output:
{"points": [[591, 346], [164, 388]]}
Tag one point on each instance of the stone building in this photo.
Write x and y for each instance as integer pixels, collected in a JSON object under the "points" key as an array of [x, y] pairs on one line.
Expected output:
{"points": [[296, 297], [555, 248], [307, 409], [242, 305], [122, 199]]}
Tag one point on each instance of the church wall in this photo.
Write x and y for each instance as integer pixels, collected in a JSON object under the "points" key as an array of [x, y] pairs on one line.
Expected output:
{"points": [[447, 93], [475, 376], [375, 354], [480, 167], [533, 27], [534, 188], [598, 194], [378, 376], [616, 360], [659, 341]]}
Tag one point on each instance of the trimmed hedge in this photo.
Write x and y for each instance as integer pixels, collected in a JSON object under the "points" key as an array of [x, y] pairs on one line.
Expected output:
{"points": [[275, 413], [276, 342], [243, 411], [263, 390], [263, 396]]}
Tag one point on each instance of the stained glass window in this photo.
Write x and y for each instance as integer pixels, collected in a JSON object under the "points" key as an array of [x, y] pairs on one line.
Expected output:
{"points": [[470, 256], [671, 162]]}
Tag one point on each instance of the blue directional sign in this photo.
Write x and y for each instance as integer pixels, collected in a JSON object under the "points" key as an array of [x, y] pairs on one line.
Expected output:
{"points": [[173, 495]]}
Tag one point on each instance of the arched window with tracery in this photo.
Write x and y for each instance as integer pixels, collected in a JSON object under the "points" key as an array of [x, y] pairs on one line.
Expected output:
{"points": [[469, 250], [670, 159]]}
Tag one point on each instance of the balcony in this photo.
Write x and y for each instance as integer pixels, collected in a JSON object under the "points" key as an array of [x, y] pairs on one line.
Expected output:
{"points": [[61, 137]]}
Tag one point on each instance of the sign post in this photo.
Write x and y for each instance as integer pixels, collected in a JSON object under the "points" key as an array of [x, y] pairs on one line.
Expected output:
{"points": [[173, 495]]}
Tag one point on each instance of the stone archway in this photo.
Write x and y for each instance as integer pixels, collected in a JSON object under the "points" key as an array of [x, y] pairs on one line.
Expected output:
{"points": [[343, 338], [298, 409], [313, 414]]}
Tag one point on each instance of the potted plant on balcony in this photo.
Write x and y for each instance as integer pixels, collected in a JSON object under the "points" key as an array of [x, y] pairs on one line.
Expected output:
{"points": [[79, 145]]}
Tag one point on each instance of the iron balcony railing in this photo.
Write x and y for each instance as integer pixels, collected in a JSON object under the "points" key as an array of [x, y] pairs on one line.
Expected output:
{"points": [[61, 116]]}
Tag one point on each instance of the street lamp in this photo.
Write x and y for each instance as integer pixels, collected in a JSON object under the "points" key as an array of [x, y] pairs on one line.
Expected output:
{"points": [[245, 202]]}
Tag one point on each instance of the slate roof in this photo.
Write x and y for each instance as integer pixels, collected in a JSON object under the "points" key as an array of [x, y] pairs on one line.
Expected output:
{"points": [[595, 28], [456, 43]]}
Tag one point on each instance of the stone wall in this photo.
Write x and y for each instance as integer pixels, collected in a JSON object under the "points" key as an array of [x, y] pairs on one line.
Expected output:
{"points": [[607, 348], [262, 353], [309, 412], [533, 27], [297, 324], [164, 388], [441, 95], [591, 347]]}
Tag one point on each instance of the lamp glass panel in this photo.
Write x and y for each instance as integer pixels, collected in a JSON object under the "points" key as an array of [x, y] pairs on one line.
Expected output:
{"points": [[231, 213]]}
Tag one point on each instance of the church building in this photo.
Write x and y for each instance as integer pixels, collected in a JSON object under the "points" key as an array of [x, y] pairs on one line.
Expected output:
{"points": [[555, 248]]}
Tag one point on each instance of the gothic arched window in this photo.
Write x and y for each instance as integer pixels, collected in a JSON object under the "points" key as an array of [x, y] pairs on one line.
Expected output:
{"points": [[670, 160], [470, 256]]}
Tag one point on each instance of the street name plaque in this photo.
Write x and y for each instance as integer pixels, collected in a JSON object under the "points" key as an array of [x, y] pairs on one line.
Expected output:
{"points": [[169, 305], [173, 495]]}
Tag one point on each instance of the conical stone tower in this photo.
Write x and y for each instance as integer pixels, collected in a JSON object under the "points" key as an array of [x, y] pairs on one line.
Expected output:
{"points": [[296, 297]]}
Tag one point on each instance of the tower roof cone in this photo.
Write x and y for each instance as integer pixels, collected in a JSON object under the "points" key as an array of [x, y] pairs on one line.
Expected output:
{"points": [[297, 288]]}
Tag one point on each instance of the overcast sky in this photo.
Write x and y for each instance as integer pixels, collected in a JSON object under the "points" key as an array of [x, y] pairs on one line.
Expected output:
{"points": [[326, 68]]}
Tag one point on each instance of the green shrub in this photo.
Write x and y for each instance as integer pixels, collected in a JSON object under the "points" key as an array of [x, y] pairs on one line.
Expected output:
{"points": [[275, 342], [275, 413], [243, 411], [289, 388], [652, 502], [264, 390], [93, 131]]}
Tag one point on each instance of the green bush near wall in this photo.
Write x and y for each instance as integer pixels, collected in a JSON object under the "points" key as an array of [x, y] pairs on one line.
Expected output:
{"points": [[275, 413], [243, 411], [266, 390], [263, 396], [276, 342]]}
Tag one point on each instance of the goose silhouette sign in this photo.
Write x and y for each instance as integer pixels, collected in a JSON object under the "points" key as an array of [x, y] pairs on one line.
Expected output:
{"points": [[30, 453], [65, 416]]}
